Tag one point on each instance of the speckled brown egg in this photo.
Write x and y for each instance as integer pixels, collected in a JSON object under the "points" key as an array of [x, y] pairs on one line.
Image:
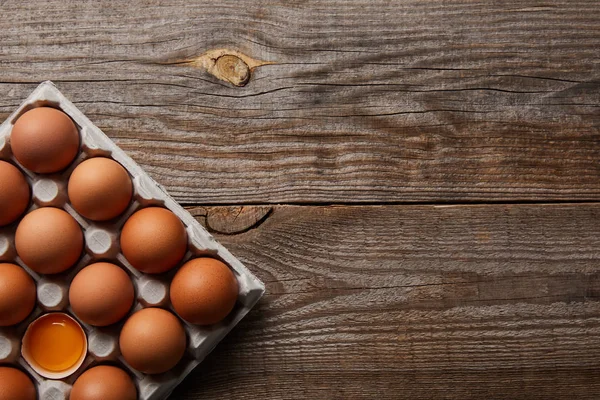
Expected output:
{"points": [[100, 189], [104, 382], [17, 294], [204, 291], [101, 294], [14, 193], [152, 340], [49, 240], [15, 385], [153, 240], [45, 140]]}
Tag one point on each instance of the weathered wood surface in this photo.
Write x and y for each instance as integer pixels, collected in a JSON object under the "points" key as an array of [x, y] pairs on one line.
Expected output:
{"points": [[367, 101], [408, 302], [381, 102]]}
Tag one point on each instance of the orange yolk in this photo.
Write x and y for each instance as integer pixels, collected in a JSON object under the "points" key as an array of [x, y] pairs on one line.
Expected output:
{"points": [[56, 342]]}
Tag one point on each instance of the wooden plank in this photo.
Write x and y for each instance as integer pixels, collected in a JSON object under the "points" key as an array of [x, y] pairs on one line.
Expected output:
{"points": [[368, 101], [415, 302]]}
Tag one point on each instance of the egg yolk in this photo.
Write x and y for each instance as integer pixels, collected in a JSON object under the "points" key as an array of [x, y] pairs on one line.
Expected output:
{"points": [[56, 342]]}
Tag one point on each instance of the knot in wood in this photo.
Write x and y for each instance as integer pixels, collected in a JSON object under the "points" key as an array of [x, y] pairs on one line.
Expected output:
{"points": [[233, 69]]}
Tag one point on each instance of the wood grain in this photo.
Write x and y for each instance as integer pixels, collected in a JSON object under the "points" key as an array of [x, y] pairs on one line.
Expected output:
{"points": [[415, 302], [379, 105], [367, 102]]}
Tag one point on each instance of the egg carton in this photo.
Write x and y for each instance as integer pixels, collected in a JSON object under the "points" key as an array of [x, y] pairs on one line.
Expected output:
{"points": [[102, 244]]}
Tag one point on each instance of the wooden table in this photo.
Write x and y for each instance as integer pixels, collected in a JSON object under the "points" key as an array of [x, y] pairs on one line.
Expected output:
{"points": [[416, 182]]}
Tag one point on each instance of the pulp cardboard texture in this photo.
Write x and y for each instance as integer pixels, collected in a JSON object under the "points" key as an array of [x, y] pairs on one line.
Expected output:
{"points": [[101, 243]]}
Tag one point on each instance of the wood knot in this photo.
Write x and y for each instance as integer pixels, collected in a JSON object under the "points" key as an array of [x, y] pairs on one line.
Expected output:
{"points": [[228, 65], [231, 220], [233, 69]]}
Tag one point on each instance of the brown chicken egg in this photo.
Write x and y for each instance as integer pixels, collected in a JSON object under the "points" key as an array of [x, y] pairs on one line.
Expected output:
{"points": [[17, 294], [104, 382], [154, 240], [152, 340], [15, 385], [101, 294], [45, 140], [49, 240], [14, 193], [204, 291], [100, 189]]}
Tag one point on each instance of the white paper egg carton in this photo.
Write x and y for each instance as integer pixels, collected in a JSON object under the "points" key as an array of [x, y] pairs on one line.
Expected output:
{"points": [[102, 244]]}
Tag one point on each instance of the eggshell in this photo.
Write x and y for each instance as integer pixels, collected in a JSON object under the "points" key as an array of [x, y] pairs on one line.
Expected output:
{"points": [[54, 340], [17, 294], [14, 193], [49, 240], [100, 189], [104, 382], [154, 240], [204, 291], [152, 340], [101, 294], [15, 385], [44, 140]]}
